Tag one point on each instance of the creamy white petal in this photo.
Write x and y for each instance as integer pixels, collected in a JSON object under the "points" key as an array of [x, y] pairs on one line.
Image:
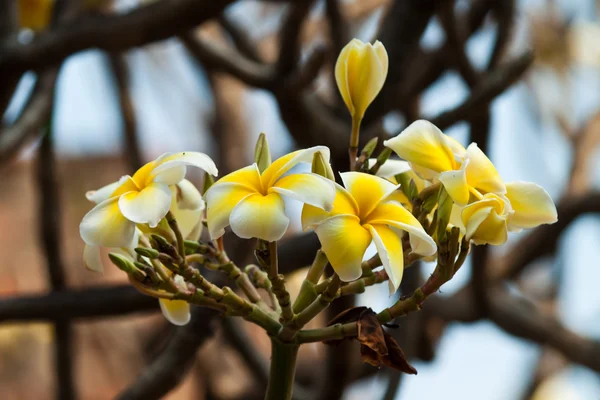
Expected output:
{"points": [[287, 162], [104, 225], [532, 205], [481, 173], [390, 168], [187, 196], [92, 259], [98, 196], [308, 188], [258, 216], [148, 206], [455, 183], [389, 248], [191, 158]]}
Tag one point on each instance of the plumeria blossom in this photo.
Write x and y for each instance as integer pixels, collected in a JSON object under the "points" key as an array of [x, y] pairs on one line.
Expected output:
{"points": [[144, 198], [360, 72], [488, 208], [437, 157], [187, 206], [363, 212], [251, 202]]}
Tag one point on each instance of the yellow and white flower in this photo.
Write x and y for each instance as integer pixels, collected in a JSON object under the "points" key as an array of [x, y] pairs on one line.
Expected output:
{"points": [[436, 156], [251, 202], [361, 213], [526, 205], [360, 73], [187, 206], [143, 199]]}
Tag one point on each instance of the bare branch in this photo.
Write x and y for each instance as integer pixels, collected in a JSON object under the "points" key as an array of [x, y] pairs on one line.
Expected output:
{"points": [[171, 366], [36, 112], [151, 23], [488, 89]]}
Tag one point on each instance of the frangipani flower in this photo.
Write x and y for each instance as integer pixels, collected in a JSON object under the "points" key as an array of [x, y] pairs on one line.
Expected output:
{"points": [[144, 198], [252, 202], [187, 206], [435, 156], [361, 213], [360, 72], [526, 205]]}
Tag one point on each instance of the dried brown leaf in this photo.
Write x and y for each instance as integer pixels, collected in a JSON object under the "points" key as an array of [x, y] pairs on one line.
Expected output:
{"points": [[370, 332]]}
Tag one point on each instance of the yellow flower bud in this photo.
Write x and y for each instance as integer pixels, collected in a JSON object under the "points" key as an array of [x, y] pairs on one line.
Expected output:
{"points": [[360, 72], [322, 167], [35, 14]]}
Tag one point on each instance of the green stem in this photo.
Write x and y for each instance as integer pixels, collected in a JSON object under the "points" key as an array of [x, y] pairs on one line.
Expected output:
{"points": [[282, 370], [353, 150]]}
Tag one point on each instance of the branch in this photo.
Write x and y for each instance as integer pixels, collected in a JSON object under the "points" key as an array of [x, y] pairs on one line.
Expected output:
{"points": [[82, 303], [223, 58], [35, 113], [491, 86], [542, 240], [120, 72], [171, 366], [151, 23]]}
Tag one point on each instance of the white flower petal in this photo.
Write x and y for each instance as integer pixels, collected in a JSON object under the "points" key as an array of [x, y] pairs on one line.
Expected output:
{"points": [[192, 158], [390, 168], [98, 196], [532, 205], [258, 216], [287, 162], [187, 196], [308, 188], [104, 225], [148, 206], [389, 248], [92, 259]]}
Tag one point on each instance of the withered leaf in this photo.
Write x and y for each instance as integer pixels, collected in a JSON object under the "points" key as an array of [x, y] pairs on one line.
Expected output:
{"points": [[349, 315], [396, 358], [370, 332]]}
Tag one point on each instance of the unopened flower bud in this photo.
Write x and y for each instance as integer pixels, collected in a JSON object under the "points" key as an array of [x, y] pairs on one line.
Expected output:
{"points": [[262, 154]]}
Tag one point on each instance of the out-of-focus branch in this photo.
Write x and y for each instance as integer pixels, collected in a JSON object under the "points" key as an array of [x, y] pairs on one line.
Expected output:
{"points": [[521, 318], [49, 217], [504, 11], [585, 144], [118, 66], [290, 46], [147, 24], [82, 303], [542, 240], [338, 30], [456, 40], [487, 90], [35, 113], [170, 367], [240, 39], [223, 58]]}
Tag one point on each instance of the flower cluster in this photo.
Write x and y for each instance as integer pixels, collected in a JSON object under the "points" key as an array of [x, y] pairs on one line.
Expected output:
{"points": [[433, 203], [485, 208]]}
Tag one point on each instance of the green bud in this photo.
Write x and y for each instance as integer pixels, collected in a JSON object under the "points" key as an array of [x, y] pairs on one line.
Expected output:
{"points": [[407, 185], [262, 155], [443, 213], [191, 247], [370, 147], [384, 155], [208, 182], [321, 167], [127, 266], [145, 252], [162, 245]]}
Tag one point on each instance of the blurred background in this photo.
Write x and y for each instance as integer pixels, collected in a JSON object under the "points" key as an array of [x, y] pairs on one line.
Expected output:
{"points": [[90, 90]]}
